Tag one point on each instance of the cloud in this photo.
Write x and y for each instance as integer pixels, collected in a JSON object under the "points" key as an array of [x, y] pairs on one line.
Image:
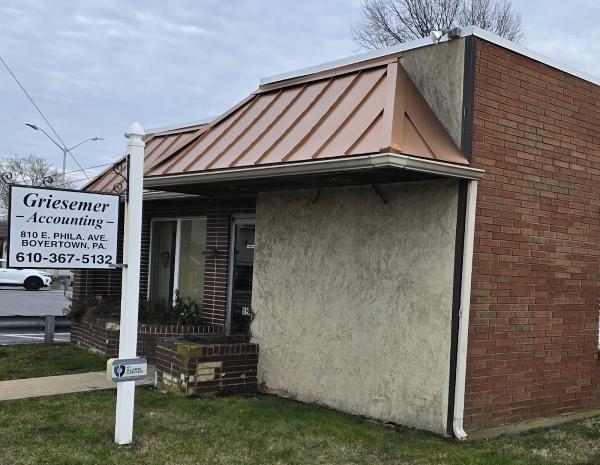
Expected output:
{"points": [[94, 67]]}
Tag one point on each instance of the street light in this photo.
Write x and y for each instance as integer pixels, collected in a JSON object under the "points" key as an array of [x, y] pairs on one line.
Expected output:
{"points": [[63, 149]]}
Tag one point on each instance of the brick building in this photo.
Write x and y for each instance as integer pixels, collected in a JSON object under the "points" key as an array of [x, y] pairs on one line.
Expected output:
{"points": [[416, 229], [534, 308]]}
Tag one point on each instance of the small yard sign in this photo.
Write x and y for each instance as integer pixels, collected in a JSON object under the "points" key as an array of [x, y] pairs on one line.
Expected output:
{"points": [[59, 228], [126, 369]]}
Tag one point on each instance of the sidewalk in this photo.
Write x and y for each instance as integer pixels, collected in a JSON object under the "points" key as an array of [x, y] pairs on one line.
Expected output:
{"points": [[63, 384]]}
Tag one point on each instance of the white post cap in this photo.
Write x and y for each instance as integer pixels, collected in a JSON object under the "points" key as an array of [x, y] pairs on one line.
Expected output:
{"points": [[135, 130]]}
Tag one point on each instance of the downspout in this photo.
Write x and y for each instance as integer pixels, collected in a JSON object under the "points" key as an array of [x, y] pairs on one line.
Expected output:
{"points": [[463, 325]]}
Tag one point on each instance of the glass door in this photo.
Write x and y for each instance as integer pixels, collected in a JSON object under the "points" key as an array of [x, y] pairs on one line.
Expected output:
{"points": [[241, 263]]}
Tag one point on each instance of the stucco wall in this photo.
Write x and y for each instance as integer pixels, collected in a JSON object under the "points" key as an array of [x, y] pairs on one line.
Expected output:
{"points": [[353, 298], [438, 74]]}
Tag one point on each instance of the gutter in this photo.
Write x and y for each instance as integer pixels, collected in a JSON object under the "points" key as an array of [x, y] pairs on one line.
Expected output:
{"points": [[465, 302], [337, 165]]}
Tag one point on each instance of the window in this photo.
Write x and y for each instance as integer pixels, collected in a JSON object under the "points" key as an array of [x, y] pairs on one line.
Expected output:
{"points": [[177, 258]]}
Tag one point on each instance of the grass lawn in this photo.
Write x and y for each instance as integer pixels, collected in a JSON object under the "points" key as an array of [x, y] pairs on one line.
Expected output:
{"points": [[32, 361], [78, 429]]}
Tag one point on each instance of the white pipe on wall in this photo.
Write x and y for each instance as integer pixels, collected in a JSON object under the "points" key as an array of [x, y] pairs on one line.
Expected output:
{"points": [[463, 325]]}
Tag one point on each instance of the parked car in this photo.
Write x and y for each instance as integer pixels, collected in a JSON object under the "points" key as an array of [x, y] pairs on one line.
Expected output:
{"points": [[32, 280]]}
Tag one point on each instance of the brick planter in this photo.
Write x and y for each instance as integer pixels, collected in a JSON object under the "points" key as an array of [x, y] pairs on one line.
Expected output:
{"points": [[207, 365], [102, 336]]}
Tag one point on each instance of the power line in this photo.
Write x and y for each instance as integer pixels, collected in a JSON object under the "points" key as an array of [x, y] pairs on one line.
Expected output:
{"points": [[87, 168], [70, 172], [42, 115]]}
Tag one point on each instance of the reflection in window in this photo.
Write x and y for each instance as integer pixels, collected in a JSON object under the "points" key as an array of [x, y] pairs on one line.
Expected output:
{"points": [[191, 258], [177, 258], [163, 259]]}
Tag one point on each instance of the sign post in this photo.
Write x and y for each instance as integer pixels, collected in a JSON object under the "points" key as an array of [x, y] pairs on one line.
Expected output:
{"points": [[62, 228], [131, 280]]}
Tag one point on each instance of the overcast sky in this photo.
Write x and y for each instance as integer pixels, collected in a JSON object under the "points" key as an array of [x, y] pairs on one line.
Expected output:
{"points": [[94, 67]]}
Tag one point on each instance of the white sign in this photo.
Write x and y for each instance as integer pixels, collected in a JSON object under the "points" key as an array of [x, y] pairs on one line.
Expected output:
{"points": [[57, 228], [126, 369]]}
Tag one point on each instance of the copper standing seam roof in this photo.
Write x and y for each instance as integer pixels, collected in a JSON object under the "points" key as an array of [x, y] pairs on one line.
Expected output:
{"points": [[158, 145], [363, 109]]}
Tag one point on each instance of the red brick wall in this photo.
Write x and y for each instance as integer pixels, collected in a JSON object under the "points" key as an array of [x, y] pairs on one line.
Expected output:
{"points": [[101, 282], [218, 214], [102, 336], [92, 334], [208, 366], [534, 307]]}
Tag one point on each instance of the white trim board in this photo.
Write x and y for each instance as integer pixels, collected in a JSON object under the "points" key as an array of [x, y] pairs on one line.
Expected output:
{"points": [[426, 42], [172, 127], [328, 165]]}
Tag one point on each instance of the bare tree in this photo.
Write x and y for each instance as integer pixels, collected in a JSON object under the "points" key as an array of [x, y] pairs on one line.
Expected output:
{"points": [[389, 22], [28, 170]]}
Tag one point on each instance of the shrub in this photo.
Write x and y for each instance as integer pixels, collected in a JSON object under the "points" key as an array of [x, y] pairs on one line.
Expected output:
{"points": [[93, 305], [187, 311], [155, 310], [78, 308]]}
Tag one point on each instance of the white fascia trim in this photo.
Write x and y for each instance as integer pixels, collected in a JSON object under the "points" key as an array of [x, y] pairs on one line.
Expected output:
{"points": [[173, 127], [463, 322], [426, 42], [443, 169], [159, 195], [348, 164], [164, 195], [359, 57], [521, 50]]}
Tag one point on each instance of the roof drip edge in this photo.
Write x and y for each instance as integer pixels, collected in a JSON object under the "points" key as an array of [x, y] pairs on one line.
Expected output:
{"points": [[358, 163]]}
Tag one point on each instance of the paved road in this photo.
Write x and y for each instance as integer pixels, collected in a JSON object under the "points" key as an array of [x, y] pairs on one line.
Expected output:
{"points": [[18, 301]]}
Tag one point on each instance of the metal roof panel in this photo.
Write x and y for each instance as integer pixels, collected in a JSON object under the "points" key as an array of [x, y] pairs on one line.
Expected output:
{"points": [[355, 112]]}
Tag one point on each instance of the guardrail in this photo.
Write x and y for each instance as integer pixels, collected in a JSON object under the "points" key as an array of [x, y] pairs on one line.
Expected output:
{"points": [[46, 323]]}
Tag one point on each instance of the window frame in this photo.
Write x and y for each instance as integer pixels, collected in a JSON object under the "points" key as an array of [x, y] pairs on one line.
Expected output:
{"points": [[178, 220], [236, 219]]}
